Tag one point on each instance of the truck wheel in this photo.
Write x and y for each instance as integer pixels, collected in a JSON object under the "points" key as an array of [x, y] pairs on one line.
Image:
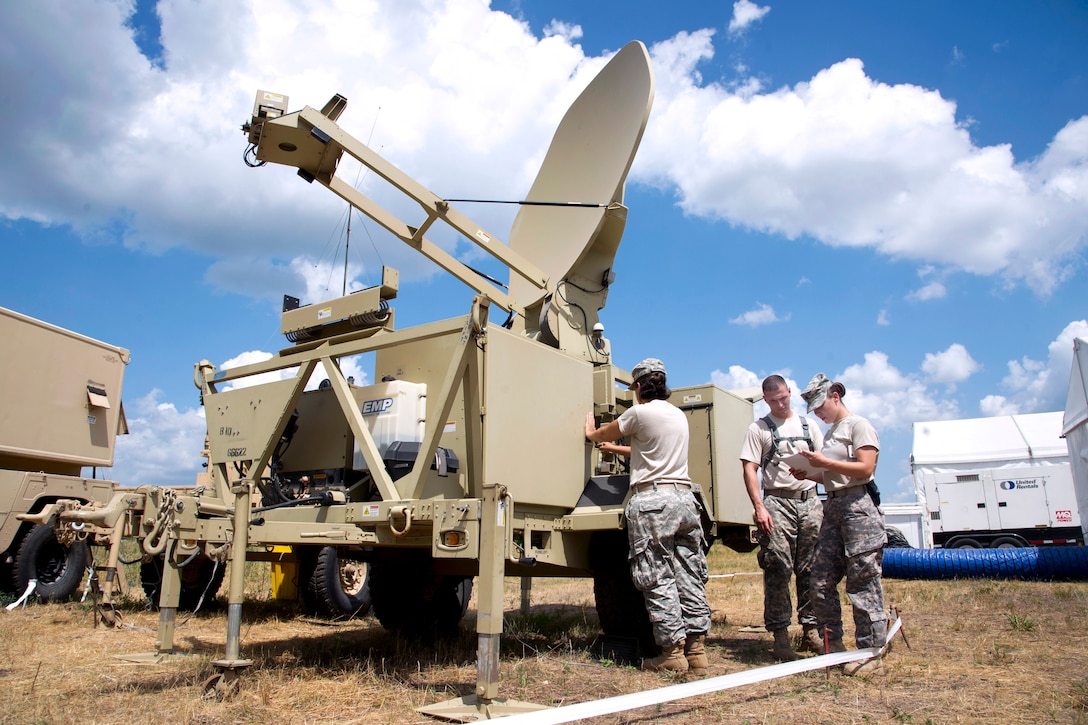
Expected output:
{"points": [[58, 569], [621, 608], [200, 578], [1008, 542], [7, 572], [418, 604], [896, 539], [966, 544], [333, 586]]}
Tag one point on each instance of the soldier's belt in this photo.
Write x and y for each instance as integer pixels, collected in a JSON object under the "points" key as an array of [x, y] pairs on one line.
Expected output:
{"points": [[654, 485], [857, 488], [787, 493]]}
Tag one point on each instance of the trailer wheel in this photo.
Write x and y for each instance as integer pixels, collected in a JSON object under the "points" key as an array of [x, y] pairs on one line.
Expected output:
{"points": [[413, 602], [1008, 542], [621, 608], [333, 586], [200, 582], [58, 569]]}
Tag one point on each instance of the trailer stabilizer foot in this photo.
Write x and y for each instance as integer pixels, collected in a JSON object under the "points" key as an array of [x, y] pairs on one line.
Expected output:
{"points": [[471, 708], [153, 658]]}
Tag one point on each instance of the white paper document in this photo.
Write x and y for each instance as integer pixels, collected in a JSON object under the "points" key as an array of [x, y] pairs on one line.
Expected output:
{"points": [[801, 463]]}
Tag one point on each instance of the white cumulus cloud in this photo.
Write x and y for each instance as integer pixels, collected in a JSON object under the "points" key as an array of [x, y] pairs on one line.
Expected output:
{"points": [[954, 365]]}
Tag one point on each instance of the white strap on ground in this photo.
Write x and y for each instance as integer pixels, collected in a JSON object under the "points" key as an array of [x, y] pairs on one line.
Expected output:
{"points": [[30, 586], [570, 713], [739, 573]]}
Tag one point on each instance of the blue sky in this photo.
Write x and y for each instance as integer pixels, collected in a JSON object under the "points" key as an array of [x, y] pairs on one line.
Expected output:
{"points": [[895, 194]]}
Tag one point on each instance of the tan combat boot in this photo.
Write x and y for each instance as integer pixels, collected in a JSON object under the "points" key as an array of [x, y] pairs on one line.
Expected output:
{"points": [[834, 644], [671, 659], [782, 651], [695, 652], [864, 668], [811, 639]]}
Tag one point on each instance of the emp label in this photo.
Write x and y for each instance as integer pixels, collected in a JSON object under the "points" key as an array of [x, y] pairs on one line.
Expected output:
{"points": [[324, 313], [370, 511], [697, 398], [373, 407]]}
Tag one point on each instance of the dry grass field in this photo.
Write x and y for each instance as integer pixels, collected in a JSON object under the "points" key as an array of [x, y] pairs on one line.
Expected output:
{"points": [[980, 652]]}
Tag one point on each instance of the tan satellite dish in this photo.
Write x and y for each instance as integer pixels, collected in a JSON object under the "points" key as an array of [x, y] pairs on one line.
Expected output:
{"points": [[587, 163]]}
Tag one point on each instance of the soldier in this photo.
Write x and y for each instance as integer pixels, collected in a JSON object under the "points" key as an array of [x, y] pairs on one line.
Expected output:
{"points": [[787, 515], [664, 529], [851, 541]]}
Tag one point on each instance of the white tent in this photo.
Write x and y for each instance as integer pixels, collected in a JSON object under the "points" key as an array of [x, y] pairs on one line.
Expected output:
{"points": [[1001, 441], [1075, 424]]}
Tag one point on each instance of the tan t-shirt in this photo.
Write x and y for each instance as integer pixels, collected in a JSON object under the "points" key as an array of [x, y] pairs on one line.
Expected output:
{"points": [[840, 443], [658, 433], [758, 440]]}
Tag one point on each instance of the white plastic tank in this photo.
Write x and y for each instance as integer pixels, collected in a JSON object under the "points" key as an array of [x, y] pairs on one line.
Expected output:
{"points": [[393, 411]]}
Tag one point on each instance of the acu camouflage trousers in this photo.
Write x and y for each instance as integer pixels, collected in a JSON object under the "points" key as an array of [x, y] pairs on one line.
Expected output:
{"points": [[851, 544], [668, 563], [786, 553]]}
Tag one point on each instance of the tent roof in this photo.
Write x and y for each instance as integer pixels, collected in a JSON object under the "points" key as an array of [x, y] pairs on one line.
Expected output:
{"points": [[1076, 403], [1000, 438]]}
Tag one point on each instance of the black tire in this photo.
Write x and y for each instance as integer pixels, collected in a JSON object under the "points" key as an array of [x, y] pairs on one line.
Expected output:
{"points": [[896, 539], [7, 571], [965, 544], [333, 586], [412, 601], [200, 578], [58, 569], [621, 608], [1008, 542]]}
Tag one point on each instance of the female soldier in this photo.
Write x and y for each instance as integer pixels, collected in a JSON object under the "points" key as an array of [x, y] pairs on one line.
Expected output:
{"points": [[668, 563], [851, 539]]}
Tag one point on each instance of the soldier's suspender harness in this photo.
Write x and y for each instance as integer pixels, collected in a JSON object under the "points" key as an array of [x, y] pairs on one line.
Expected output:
{"points": [[776, 438]]}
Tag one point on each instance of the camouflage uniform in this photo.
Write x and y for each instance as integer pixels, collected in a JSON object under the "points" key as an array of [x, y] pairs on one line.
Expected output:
{"points": [[851, 544], [668, 563], [788, 551]]}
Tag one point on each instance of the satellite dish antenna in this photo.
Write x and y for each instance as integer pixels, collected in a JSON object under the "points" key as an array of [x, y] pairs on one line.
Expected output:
{"points": [[587, 161]]}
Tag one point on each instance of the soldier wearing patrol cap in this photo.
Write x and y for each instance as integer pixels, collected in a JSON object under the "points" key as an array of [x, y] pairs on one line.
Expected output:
{"points": [[852, 536], [668, 560]]}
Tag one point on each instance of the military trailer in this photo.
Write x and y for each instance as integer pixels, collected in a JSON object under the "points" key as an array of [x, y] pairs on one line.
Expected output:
{"points": [[466, 457], [61, 413]]}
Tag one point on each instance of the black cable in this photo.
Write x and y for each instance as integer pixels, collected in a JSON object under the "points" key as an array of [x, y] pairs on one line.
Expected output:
{"points": [[577, 204]]}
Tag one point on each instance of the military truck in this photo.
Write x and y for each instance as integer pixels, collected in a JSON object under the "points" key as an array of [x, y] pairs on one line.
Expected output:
{"points": [[61, 413], [465, 458]]}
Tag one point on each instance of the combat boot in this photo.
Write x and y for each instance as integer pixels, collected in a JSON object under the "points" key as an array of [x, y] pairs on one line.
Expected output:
{"points": [[671, 659], [834, 644], [864, 668], [695, 652], [782, 651], [811, 639]]}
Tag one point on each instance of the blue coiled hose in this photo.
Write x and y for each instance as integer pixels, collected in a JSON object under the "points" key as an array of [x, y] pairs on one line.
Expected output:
{"points": [[1051, 563]]}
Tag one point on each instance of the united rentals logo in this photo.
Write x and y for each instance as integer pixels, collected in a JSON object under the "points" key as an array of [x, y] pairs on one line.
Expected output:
{"points": [[1022, 483]]}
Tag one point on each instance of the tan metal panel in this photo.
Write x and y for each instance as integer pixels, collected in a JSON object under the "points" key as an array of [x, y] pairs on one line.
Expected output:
{"points": [[61, 396], [534, 423]]}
